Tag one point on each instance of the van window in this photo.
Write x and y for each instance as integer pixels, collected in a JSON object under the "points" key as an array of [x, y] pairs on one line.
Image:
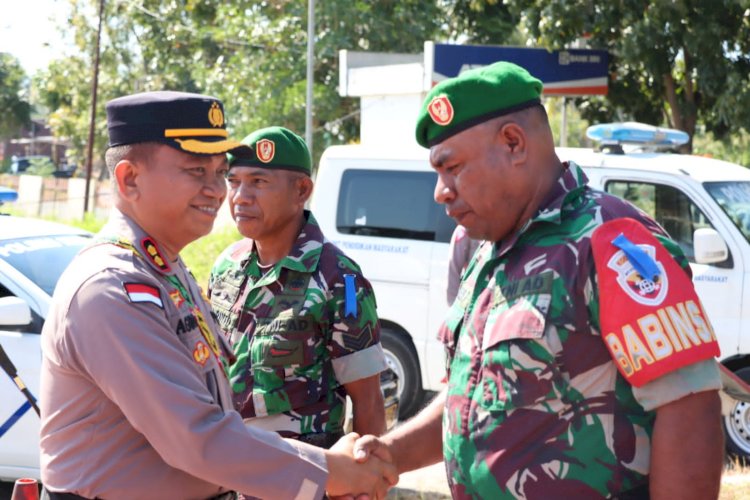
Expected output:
{"points": [[669, 206], [393, 204], [734, 198]]}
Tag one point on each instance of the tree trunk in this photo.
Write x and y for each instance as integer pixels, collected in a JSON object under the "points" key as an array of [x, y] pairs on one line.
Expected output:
{"points": [[684, 114]]}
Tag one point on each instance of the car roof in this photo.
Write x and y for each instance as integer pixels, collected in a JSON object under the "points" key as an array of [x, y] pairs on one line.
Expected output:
{"points": [[24, 227], [378, 152], [700, 168]]}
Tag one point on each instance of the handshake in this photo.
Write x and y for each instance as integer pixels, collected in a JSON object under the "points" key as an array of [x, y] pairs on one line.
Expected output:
{"points": [[360, 468]]}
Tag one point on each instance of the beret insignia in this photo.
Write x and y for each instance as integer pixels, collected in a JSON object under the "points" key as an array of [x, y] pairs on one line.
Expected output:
{"points": [[441, 110], [265, 149]]}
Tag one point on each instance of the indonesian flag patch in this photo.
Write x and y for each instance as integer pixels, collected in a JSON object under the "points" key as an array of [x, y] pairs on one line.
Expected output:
{"points": [[650, 316], [140, 293]]}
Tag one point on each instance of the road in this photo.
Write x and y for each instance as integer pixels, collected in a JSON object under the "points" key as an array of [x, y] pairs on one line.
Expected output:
{"points": [[429, 483]]}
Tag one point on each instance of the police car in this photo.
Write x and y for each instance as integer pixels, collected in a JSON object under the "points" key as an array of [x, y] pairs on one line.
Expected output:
{"points": [[33, 254], [376, 204]]}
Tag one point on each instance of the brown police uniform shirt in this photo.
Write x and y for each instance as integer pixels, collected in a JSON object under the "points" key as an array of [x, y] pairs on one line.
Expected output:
{"points": [[134, 398]]}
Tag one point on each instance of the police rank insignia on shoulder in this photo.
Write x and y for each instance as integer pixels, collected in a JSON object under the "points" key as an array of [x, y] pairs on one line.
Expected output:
{"points": [[651, 319], [152, 252]]}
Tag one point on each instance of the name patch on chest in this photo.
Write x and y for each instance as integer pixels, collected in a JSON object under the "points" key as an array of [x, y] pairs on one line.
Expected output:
{"points": [[531, 285], [651, 319]]}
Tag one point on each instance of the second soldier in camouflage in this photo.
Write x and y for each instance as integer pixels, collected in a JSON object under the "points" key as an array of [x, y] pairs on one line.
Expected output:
{"points": [[299, 314]]}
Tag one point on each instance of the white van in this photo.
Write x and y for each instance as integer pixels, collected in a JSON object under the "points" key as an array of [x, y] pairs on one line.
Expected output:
{"points": [[377, 204]]}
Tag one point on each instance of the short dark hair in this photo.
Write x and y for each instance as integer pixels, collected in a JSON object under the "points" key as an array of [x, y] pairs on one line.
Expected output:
{"points": [[133, 152]]}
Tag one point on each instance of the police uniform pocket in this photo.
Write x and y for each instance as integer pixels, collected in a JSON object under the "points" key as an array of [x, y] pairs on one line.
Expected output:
{"points": [[518, 363]]}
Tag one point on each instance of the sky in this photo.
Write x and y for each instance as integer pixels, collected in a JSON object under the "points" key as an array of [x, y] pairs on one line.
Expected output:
{"points": [[29, 30]]}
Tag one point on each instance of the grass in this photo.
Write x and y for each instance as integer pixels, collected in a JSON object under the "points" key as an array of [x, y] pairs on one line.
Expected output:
{"points": [[735, 482], [201, 254]]}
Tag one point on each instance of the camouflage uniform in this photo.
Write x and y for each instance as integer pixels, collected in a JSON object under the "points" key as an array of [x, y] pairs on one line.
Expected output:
{"points": [[296, 336], [536, 407]]}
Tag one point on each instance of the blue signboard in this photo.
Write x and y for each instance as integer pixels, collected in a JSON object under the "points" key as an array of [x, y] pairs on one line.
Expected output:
{"points": [[571, 72]]}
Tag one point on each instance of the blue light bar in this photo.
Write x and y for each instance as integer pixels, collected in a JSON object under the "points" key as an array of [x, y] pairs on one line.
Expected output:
{"points": [[636, 133], [7, 195]]}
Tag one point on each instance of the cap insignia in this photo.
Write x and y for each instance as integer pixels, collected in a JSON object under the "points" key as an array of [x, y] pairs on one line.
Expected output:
{"points": [[441, 110], [215, 116], [265, 149]]}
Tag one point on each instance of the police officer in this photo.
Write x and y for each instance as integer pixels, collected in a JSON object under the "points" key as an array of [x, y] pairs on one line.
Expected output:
{"points": [[576, 347], [300, 315], [134, 397]]}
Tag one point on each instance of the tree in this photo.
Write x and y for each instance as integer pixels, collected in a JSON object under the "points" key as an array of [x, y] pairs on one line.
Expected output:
{"points": [[16, 109], [673, 62], [264, 77], [251, 54]]}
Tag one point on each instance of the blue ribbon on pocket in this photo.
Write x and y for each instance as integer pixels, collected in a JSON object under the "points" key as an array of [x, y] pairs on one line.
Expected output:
{"points": [[641, 261], [350, 296]]}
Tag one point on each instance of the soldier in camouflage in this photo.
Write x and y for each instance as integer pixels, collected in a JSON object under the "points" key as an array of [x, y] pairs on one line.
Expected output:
{"points": [[544, 399], [300, 316]]}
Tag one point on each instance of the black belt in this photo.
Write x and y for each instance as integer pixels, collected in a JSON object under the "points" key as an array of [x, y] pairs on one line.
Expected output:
{"points": [[321, 439]]}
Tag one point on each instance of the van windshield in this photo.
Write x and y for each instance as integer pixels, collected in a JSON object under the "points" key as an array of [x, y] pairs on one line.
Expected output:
{"points": [[734, 198]]}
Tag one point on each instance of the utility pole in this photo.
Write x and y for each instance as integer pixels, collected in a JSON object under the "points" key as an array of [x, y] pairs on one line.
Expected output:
{"points": [[92, 122], [310, 61]]}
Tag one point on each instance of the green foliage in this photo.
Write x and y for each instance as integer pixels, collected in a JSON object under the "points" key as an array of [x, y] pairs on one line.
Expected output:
{"points": [[16, 111], [681, 63], [250, 54], [40, 166], [576, 124], [200, 255], [88, 223], [734, 148], [674, 62], [490, 22]]}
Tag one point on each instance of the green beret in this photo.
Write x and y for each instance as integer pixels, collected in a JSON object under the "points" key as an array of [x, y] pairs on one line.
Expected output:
{"points": [[473, 97], [275, 147]]}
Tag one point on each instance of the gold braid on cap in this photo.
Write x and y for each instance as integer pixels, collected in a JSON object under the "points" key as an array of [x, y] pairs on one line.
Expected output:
{"points": [[209, 148]]}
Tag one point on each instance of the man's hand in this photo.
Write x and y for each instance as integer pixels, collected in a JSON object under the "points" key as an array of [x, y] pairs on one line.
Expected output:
{"points": [[373, 477], [371, 445]]}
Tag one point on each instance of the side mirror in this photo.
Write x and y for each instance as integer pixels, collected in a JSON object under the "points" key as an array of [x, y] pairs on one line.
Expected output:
{"points": [[709, 247], [14, 312]]}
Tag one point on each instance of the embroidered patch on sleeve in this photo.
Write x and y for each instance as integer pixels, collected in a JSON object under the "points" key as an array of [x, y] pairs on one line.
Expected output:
{"points": [[651, 319], [140, 293]]}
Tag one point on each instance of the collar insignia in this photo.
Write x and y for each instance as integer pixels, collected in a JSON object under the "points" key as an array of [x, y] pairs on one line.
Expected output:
{"points": [[153, 254]]}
